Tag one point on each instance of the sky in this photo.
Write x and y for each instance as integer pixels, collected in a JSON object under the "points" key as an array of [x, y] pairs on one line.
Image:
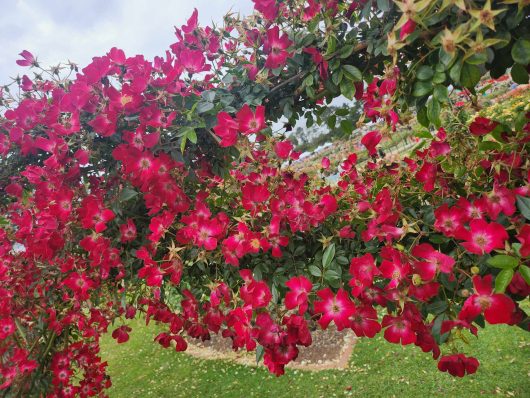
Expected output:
{"points": [[77, 30]]}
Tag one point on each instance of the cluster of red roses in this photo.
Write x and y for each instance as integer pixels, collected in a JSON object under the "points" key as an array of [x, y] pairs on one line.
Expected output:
{"points": [[103, 219]]}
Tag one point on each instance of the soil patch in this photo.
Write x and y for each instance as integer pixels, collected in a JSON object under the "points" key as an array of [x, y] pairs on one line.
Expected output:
{"points": [[331, 349]]}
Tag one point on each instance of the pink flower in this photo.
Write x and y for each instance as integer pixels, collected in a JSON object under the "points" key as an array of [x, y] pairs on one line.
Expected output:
{"points": [[297, 297], [7, 328], [407, 29], [370, 141], [334, 308], [28, 59], [193, 60], [496, 307], [325, 163], [268, 8], [276, 48], [483, 237]]}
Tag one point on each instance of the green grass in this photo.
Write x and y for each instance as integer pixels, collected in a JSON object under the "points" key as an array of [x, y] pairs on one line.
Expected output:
{"points": [[141, 368]]}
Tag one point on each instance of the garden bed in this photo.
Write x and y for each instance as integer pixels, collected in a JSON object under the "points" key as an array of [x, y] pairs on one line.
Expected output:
{"points": [[331, 349]]}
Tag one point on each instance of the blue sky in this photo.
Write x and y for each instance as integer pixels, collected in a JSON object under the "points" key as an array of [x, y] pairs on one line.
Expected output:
{"points": [[77, 30]]}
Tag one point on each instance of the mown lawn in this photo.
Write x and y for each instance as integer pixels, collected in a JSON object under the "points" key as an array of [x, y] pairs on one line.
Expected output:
{"points": [[141, 368]]}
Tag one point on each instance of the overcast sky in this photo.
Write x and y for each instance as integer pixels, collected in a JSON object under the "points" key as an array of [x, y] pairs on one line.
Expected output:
{"points": [[77, 30]]}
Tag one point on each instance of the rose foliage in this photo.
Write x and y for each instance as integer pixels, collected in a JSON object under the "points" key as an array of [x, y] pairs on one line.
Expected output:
{"points": [[158, 188]]}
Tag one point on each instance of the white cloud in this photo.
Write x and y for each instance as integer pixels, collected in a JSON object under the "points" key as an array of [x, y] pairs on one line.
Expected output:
{"points": [[57, 31]]}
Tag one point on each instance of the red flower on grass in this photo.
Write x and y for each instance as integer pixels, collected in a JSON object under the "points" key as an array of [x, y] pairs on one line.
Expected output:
{"points": [[458, 365], [121, 334], [496, 307]]}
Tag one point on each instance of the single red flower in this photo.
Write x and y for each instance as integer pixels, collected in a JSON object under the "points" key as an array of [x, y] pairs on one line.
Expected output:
{"points": [[435, 261], [482, 126], [371, 140], [496, 307], [483, 237], [458, 365], [283, 149], [337, 308], [276, 48], [297, 296], [121, 334], [226, 128], [407, 29], [364, 321], [251, 122], [524, 237]]}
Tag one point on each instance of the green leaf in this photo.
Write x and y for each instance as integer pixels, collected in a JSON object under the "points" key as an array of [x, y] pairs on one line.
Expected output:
{"points": [[259, 353], [455, 72], [523, 204], [422, 117], [352, 73], [383, 5], [424, 73], [519, 74], [438, 78], [345, 51], [521, 51], [328, 256], [204, 106], [503, 280], [331, 275], [525, 272], [315, 271], [503, 261], [347, 89], [433, 112], [421, 89], [127, 194], [470, 75], [440, 93], [437, 307], [489, 146], [192, 135], [342, 260]]}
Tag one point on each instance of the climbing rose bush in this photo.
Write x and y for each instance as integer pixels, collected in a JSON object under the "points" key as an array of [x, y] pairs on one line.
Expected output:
{"points": [[162, 189]]}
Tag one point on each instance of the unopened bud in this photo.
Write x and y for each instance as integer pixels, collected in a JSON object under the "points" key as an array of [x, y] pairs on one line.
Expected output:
{"points": [[475, 270], [464, 293], [416, 279]]}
